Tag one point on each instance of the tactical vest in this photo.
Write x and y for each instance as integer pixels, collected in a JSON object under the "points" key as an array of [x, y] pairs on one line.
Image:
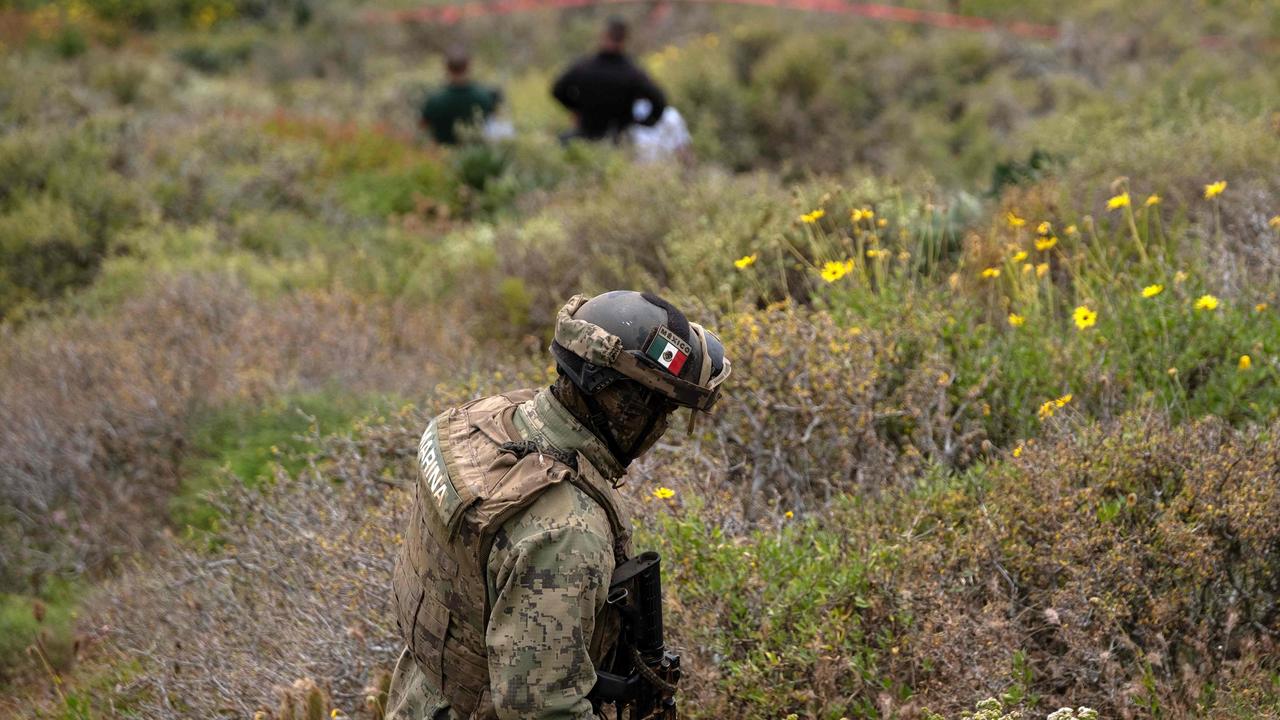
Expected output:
{"points": [[468, 487]]}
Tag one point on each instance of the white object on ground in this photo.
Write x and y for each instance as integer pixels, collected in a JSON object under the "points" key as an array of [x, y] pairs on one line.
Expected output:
{"points": [[496, 128], [663, 141]]}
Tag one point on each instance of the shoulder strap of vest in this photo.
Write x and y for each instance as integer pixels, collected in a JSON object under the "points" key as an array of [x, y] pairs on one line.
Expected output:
{"points": [[473, 438], [621, 533]]}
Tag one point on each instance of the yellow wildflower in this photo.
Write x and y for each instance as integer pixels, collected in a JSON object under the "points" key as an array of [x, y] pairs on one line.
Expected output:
{"points": [[1119, 201], [1245, 363], [1274, 222], [1260, 307], [1014, 220], [1026, 268], [1020, 256], [207, 16], [1044, 244], [1042, 269], [1173, 372], [991, 273], [746, 261], [855, 216], [789, 514], [1072, 230], [664, 493], [1207, 302], [813, 217], [1180, 277], [881, 222], [1017, 452], [868, 213], [1049, 407], [834, 270], [77, 11], [1213, 190], [1153, 200], [1044, 228], [1016, 320], [1084, 317], [1151, 291], [877, 254]]}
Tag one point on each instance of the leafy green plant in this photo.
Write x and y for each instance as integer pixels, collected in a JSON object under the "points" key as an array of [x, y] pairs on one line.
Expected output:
{"points": [[246, 445], [37, 632]]}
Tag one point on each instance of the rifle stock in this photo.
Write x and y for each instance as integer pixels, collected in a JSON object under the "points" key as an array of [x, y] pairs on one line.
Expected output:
{"points": [[644, 673]]}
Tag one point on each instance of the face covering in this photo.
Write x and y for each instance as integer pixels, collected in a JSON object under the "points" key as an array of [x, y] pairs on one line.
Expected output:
{"points": [[630, 417]]}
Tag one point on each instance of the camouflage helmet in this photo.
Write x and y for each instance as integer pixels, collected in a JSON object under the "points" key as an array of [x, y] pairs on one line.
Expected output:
{"points": [[641, 337]]}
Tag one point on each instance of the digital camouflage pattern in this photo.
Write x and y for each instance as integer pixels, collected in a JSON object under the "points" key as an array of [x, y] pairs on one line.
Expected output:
{"points": [[589, 342], [501, 584]]}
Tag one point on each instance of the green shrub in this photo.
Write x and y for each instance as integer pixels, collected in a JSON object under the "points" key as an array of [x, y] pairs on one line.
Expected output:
{"points": [[150, 15], [35, 630], [534, 164], [70, 42], [129, 80], [141, 14], [43, 250], [245, 445], [215, 56], [479, 164], [396, 192], [797, 625], [61, 211]]}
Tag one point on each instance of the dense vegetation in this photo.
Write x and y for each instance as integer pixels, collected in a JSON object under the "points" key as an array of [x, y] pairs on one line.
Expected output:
{"points": [[1004, 421]]}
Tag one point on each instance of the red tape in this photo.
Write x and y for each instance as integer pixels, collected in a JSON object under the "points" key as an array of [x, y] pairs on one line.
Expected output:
{"points": [[457, 12], [454, 13]]}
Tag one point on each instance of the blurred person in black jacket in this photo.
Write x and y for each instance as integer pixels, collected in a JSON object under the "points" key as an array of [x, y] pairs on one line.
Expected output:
{"points": [[601, 89]]}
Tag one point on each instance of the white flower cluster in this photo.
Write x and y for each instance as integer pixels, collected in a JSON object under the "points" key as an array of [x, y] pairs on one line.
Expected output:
{"points": [[1080, 713], [992, 709]]}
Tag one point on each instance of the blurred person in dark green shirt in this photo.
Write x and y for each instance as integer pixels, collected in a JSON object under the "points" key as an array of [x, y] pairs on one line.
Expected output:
{"points": [[459, 102]]}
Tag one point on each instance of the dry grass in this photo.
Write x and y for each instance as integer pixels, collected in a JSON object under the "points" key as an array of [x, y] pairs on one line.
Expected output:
{"points": [[299, 592], [1134, 565], [94, 411]]}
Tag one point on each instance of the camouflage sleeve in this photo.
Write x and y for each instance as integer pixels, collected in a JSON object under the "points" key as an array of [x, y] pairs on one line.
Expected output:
{"points": [[549, 575]]}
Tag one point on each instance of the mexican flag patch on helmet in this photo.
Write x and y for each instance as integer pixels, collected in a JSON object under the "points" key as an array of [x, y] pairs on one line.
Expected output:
{"points": [[668, 350]]}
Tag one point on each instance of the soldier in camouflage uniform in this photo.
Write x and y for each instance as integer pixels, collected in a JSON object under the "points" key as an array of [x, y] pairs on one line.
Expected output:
{"points": [[517, 525]]}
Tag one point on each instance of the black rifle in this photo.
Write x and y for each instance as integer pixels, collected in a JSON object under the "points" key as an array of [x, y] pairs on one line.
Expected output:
{"points": [[643, 674]]}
